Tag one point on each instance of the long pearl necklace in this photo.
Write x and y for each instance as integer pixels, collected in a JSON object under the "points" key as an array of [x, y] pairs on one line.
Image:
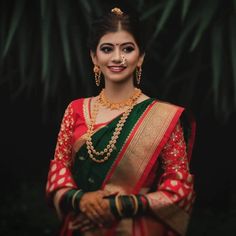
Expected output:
{"points": [[106, 152]]}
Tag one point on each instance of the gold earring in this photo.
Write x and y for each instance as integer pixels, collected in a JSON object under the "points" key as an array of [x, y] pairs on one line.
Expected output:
{"points": [[97, 73], [138, 74]]}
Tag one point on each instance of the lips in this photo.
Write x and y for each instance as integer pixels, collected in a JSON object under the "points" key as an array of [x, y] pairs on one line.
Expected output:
{"points": [[116, 68]]}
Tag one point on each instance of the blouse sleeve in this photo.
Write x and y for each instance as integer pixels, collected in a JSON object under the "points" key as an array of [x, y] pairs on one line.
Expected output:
{"points": [[173, 200], [59, 175]]}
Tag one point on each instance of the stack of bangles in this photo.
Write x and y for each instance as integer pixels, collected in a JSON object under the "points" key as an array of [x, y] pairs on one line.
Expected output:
{"points": [[70, 200], [122, 206]]}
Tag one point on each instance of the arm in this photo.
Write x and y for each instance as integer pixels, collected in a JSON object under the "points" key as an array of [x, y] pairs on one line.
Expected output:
{"points": [[61, 187], [59, 179], [173, 200]]}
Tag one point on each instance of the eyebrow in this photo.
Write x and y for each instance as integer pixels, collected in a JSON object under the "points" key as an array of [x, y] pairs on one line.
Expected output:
{"points": [[111, 44]]}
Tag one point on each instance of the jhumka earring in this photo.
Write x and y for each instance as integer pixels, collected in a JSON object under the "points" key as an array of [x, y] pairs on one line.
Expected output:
{"points": [[97, 73], [138, 74]]}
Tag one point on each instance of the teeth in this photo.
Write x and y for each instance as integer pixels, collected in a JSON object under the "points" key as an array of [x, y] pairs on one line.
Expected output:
{"points": [[118, 68]]}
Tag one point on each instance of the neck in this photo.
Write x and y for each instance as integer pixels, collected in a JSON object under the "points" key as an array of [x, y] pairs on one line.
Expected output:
{"points": [[119, 92]]}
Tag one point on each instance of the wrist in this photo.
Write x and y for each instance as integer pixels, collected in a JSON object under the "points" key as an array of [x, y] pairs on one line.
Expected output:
{"points": [[71, 199], [124, 206]]}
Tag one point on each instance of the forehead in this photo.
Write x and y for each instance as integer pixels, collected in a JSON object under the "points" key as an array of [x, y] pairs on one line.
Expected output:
{"points": [[118, 37]]}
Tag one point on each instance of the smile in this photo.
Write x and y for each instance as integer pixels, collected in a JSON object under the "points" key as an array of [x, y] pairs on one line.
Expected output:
{"points": [[116, 68]]}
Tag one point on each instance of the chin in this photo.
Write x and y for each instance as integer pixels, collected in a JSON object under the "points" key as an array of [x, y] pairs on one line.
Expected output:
{"points": [[119, 78]]}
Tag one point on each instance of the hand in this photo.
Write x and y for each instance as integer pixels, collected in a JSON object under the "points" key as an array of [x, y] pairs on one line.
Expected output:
{"points": [[81, 223], [96, 208]]}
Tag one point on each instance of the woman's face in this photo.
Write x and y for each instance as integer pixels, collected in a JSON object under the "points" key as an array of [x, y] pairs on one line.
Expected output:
{"points": [[117, 55]]}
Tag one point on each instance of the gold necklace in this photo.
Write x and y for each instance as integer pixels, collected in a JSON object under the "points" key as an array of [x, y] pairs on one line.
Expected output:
{"points": [[106, 152], [118, 105]]}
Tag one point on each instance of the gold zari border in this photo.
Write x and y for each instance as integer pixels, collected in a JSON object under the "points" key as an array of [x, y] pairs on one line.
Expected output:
{"points": [[141, 148], [163, 207]]}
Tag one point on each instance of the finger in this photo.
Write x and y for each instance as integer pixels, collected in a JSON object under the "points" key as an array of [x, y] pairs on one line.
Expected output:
{"points": [[86, 228], [83, 221], [86, 223], [108, 216], [96, 218], [104, 193]]}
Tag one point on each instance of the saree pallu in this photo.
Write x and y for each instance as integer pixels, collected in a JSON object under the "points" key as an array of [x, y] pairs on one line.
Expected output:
{"points": [[150, 157]]}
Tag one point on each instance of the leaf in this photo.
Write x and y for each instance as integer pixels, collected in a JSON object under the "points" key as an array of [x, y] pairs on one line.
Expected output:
{"points": [[178, 48], [216, 54], [149, 12], [23, 52], [45, 35], [16, 16], [63, 15], [140, 5], [186, 4], [234, 3], [164, 17], [3, 24], [43, 8], [97, 7], [86, 5], [232, 44], [206, 14]]}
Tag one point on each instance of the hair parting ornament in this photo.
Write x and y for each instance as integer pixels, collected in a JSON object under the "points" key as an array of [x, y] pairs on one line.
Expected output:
{"points": [[117, 11]]}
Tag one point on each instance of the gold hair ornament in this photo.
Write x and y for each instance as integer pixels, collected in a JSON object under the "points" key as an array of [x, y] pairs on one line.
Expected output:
{"points": [[117, 11]]}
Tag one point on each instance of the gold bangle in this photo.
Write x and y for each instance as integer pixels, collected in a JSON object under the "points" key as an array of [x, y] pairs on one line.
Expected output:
{"points": [[135, 204], [73, 198], [118, 206]]}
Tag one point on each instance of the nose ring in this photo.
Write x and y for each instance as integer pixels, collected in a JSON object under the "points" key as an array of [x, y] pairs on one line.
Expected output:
{"points": [[123, 60]]}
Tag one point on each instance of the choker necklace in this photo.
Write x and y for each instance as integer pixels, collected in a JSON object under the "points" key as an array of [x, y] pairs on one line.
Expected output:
{"points": [[103, 100], [102, 156]]}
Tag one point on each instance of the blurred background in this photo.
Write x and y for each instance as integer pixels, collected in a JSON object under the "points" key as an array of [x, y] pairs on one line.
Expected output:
{"points": [[44, 64]]}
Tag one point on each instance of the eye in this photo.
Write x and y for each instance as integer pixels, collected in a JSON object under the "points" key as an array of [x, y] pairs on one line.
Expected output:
{"points": [[106, 49], [128, 49]]}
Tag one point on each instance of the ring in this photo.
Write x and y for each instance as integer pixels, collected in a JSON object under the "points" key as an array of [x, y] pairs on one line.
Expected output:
{"points": [[95, 214], [82, 209]]}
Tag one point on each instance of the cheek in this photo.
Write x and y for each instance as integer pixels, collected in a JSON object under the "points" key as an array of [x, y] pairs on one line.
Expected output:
{"points": [[102, 58], [133, 60]]}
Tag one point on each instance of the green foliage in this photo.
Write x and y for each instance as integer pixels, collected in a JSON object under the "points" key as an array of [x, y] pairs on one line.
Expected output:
{"points": [[43, 44]]}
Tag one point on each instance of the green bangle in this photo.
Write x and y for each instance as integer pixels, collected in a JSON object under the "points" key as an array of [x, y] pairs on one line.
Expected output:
{"points": [[76, 199], [66, 200], [113, 207], [127, 206]]}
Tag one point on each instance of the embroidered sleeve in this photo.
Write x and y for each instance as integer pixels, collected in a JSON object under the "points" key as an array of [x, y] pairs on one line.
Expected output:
{"points": [[63, 149], [59, 174], [173, 200]]}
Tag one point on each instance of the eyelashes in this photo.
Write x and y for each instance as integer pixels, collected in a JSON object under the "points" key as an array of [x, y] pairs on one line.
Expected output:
{"points": [[107, 49], [128, 49]]}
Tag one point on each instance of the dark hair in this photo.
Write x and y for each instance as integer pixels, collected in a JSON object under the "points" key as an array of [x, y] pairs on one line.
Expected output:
{"points": [[111, 22]]}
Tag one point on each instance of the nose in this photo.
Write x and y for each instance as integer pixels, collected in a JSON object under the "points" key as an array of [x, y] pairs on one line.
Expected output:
{"points": [[117, 56]]}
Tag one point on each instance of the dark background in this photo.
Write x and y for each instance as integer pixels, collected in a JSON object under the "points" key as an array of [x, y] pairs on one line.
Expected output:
{"points": [[30, 123]]}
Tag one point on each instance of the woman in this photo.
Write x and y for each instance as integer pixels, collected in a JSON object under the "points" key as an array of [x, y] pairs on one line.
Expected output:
{"points": [[121, 160]]}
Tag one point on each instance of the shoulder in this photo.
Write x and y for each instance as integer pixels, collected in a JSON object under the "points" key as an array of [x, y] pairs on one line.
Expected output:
{"points": [[168, 106], [78, 103]]}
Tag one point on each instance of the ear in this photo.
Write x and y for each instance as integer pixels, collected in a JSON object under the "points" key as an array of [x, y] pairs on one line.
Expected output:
{"points": [[140, 60], [93, 57]]}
